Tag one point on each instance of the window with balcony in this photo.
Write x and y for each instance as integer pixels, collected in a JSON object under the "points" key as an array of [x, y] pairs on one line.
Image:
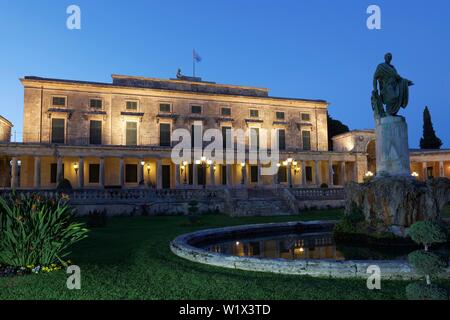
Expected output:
{"points": [[279, 115], [96, 103], [282, 139], [95, 132], [254, 138], [164, 135], [132, 105], [59, 101], [196, 109], [225, 111], [196, 135], [164, 107], [306, 140], [226, 137], [131, 133], [58, 130]]}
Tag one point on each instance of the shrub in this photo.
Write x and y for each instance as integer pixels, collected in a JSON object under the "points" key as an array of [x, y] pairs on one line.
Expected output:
{"points": [[324, 186], [36, 231], [426, 263], [427, 233], [64, 186], [97, 219], [422, 291]]}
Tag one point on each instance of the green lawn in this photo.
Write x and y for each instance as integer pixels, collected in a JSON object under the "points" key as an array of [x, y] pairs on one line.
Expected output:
{"points": [[131, 259]]}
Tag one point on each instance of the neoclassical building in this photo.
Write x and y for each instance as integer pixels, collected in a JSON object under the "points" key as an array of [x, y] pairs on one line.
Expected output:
{"points": [[424, 163], [118, 135]]}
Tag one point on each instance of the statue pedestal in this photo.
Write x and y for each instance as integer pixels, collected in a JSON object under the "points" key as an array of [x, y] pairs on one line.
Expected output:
{"points": [[392, 147]]}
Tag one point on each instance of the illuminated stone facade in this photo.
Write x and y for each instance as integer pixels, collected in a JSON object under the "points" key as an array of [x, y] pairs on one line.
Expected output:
{"points": [[100, 135]]}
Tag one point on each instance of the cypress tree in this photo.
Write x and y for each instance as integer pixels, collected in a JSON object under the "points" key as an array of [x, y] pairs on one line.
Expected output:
{"points": [[429, 139], [335, 127]]}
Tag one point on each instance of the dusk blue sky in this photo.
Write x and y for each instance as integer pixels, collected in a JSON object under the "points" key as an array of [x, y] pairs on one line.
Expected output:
{"points": [[317, 49]]}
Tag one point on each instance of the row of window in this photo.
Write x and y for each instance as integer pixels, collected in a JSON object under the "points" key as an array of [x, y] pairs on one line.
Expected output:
{"points": [[166, 108], [131, 135], [131, 175]]}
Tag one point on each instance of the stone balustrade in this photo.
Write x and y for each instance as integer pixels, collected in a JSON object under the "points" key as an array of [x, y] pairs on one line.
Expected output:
{"points": [[318, 193]]}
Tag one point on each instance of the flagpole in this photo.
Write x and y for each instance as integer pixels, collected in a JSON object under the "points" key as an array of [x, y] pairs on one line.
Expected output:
{"points": [[193, 62]]}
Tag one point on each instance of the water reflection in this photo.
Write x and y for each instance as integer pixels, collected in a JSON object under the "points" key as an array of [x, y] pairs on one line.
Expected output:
{"points": [[291, 246]]}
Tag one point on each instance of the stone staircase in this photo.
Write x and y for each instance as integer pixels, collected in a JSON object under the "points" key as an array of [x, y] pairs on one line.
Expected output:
{"points": [[258, 202]]}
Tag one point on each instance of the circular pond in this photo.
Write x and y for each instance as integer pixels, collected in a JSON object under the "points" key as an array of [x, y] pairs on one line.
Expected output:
{"points": [[302, 248]]}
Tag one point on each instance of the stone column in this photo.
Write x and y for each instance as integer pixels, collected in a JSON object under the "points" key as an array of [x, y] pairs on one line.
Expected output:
{"points": [[244, 175], [289, 174], [37, 172], [102, 173], [229, 175], [441, 169], [424, 171], [212, 175], [122, 172], [317, 178], [159, 174], [330, 173], [260, 182], [14, 173], [343, 174], [303, 173], [59, 170], [140, 173], [194, 174], [355, 171], [80, 173], [177, 176]]}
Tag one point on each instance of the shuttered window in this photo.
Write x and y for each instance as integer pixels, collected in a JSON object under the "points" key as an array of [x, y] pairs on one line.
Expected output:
{"points": [[282, 139], [306, 139], [95, 132], [131, 133], [164, 135], [58, 130]]}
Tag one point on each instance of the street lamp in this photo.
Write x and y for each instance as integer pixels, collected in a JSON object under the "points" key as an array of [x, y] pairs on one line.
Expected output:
{"points": [[76, 167]]}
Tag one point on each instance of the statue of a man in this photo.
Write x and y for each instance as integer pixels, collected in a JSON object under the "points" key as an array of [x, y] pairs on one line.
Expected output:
{"points": [[393, 89]]}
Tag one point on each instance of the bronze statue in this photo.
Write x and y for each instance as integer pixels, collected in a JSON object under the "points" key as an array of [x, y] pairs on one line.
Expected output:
{"points": [[393, 89]]}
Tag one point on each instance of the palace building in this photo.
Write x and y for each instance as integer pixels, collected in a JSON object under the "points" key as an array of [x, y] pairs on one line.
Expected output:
{"points": [[118, 135]]}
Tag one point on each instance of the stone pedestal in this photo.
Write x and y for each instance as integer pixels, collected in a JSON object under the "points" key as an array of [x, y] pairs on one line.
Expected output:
{"points": [[392, 146], [393, 204]]}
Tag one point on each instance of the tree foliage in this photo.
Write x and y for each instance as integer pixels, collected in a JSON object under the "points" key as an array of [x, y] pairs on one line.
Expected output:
{"points": [[335, 127], [429, 139]]}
